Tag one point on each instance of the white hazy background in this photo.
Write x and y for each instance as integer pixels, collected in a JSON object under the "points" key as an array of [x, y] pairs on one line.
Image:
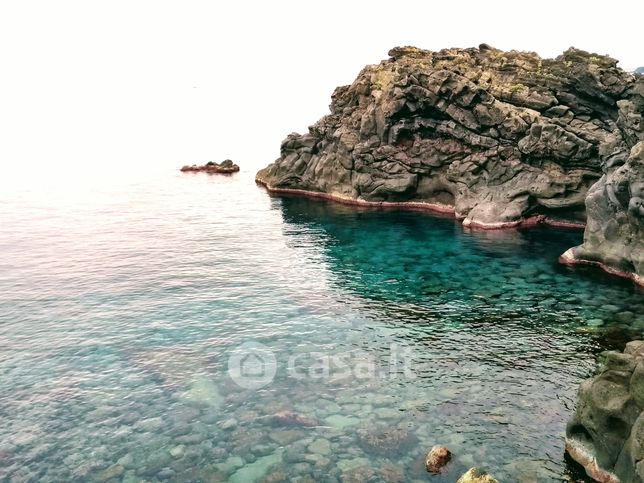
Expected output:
{"points": [[97, 86]]}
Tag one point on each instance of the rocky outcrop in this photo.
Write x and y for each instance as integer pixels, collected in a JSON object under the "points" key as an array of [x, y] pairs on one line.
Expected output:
{"points": [[225, 167], [614, 236], [497, 138], [606, 434]]}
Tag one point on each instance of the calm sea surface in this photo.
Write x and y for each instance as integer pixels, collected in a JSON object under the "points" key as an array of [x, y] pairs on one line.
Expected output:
{"points": [[186, 327]]}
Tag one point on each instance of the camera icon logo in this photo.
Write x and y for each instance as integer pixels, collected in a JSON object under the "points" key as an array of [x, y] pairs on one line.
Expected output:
{"points": [[252, 365]]}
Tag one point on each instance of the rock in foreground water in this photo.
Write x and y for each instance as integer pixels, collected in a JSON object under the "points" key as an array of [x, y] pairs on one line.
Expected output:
{"points": [[437, 458], [475, 475], [606, 434]]}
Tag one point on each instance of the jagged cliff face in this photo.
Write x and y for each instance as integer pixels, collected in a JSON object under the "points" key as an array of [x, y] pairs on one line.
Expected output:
{"points": [[496, 137]]}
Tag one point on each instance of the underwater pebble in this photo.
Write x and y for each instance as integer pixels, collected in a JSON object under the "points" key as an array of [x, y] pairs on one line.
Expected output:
{"points": [[625, 316], [320, 446], [165, 474], [340, 421], [113, 471], [387, 413], [257, 470], [178, 451], [229, 423], [595, 322], [609, 308], [126, 461], [232, 463], [286, 436], [149, 425]]}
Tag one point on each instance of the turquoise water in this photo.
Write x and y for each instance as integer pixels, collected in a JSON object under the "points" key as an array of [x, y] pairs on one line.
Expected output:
{"points": [[125, 307]]}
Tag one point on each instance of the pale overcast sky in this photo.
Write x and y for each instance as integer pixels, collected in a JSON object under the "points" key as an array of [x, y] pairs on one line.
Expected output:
{"points": [[158, 83]]}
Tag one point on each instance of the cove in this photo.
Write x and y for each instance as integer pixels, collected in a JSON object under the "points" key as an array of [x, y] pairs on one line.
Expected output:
{"points": [[118, 333]]}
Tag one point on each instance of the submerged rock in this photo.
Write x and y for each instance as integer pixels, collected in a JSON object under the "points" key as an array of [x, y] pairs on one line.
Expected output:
{"points": [[178, 451], [203, 392], [257, 470], [291, 418], [386, 440], [606, 434], [475, 475], [224, 167], [114, 471], [320, 446], [340, 421], [437, 458], [286, 437]]}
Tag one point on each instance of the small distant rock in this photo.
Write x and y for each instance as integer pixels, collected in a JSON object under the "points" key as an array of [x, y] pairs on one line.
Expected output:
{"points": [[437, 459], [225, 167], [475, 475]]}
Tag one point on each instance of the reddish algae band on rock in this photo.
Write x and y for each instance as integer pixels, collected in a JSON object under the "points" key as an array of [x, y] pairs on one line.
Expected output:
{"points": [[436, 208]]}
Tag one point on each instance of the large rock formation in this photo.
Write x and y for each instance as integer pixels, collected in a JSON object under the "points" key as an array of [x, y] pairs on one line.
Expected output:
{"points": [[496, 138], [614, 236], [606, 434]]}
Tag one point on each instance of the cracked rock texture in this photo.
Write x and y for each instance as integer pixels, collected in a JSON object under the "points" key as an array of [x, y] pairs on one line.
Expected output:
{"points": [[606, 434], [498, 138], [614, 236]]}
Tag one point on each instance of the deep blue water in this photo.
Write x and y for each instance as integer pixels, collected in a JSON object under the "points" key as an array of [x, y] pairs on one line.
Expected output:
{"points": [[139, 318]]}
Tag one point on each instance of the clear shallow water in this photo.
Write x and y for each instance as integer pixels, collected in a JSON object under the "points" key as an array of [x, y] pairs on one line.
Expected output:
{"points": [[122, 303]]}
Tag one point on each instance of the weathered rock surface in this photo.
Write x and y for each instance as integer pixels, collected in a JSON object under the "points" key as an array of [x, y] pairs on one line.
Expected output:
{"points": [[437, 458], [475, 475], [496, 138], [614, 236], [224, 167], [606, 434]]}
